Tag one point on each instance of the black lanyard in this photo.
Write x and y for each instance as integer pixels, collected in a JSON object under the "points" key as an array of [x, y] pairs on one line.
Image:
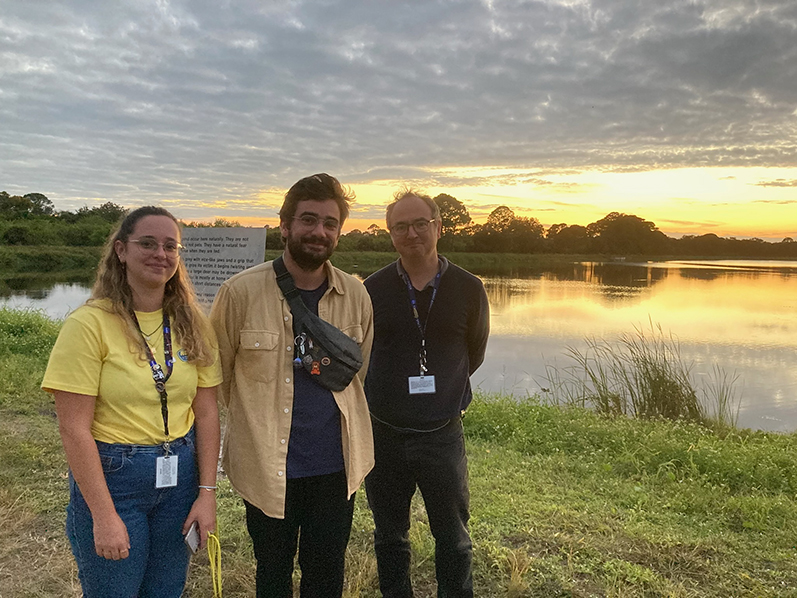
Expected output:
{"points": [[157, 372], [414, 304]]}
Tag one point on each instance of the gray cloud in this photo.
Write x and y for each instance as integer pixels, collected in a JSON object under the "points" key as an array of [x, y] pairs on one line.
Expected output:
{"points": [[778, 183], [183, 102]]}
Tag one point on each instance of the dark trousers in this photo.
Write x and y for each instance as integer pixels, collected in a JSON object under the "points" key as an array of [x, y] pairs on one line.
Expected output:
{"points": [[436, 463], [318, 517]]}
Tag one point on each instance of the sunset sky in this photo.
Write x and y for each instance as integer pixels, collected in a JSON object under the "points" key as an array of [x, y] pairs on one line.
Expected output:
{"points": [[681, 112]]}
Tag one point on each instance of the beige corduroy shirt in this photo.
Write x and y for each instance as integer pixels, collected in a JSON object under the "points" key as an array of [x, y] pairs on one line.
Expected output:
{"points": [[254, 326]]}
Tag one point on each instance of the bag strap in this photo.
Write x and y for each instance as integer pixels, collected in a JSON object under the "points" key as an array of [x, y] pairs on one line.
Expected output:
{"points": [[290, 292]]}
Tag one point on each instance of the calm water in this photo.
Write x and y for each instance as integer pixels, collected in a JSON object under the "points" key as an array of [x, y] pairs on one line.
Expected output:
{"points": [[741, 315]]}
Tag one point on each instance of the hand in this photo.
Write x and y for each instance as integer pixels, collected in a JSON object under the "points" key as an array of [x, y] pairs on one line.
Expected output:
{"points": [[110, 538], [204, 513]]}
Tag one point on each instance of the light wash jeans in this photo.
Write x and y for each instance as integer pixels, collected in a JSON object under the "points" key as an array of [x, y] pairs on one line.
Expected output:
{"points": [[158, 562]]}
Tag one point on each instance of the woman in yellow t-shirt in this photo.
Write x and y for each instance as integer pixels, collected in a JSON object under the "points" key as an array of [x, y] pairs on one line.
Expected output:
{"points": [[134, 373]]}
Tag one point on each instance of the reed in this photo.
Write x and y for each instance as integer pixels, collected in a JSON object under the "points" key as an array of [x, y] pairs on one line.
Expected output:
{"points": [[642, 375]]}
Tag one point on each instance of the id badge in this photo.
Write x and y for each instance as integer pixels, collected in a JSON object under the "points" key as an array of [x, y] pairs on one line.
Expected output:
{"points": [[421, 385], [166, 471]]}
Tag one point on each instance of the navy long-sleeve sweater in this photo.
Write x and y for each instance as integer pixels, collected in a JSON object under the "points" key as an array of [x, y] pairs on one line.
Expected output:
{"points": [[456, 338]]}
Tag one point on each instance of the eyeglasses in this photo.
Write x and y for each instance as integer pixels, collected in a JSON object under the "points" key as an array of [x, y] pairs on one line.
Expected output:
{"points": [[150, 245], [420, 226], [310, 221]]}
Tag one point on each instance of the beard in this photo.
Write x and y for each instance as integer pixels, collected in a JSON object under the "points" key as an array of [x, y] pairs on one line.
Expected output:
{"points": [[309, 259]]}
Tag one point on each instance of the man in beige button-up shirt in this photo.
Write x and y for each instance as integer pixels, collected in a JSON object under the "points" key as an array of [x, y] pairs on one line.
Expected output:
{"points": [[294, 451]]}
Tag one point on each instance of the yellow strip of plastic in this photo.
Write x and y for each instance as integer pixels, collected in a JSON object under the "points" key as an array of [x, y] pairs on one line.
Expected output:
{"points": [[214, 555]]}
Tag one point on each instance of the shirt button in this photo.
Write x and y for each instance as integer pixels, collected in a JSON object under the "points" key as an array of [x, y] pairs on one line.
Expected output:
{"points": [[286, 410], [287, 380], [288, 348], [285, 318], [282, 441], [280, 473], [257, 344]]}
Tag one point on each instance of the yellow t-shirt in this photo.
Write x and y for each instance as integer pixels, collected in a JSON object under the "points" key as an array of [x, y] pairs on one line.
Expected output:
{"points": [[92, 356]]}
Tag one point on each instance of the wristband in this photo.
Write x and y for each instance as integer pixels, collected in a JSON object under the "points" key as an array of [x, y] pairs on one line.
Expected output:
{"points": [[208, 488]]}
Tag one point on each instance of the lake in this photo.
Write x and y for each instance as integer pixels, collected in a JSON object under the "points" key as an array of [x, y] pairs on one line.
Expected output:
{"points": [[738, 314]]}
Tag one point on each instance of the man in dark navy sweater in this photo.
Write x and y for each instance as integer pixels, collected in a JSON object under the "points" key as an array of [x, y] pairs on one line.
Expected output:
{"points": [[431, 322]]}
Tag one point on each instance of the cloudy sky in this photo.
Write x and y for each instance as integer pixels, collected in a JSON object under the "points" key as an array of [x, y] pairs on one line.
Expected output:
{"points": [[682, 112]]}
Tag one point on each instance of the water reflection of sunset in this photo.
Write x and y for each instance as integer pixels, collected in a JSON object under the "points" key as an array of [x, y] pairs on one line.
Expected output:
{"points": [[740, 307], [741, 318]]}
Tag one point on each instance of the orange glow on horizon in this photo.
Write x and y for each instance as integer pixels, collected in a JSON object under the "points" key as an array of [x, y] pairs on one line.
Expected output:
{"points": [[729, 202]]}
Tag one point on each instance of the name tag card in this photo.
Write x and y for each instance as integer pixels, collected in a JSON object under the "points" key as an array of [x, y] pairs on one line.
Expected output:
{"points": [[166, 471], [421, 385]]}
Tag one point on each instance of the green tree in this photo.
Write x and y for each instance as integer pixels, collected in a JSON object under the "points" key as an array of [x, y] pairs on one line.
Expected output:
{"points": [[373, 239], [39, 204], [225, 223], [109, 212], [453, 213], [13, 207], [554, 230], [570, 239], [505, 232], [500, 219]]}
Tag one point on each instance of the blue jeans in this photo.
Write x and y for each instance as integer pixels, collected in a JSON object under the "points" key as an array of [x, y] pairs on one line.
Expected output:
{"points": [[436, 463], [158, 562]]}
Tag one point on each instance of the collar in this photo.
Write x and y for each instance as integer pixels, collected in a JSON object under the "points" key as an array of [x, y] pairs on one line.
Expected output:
{"points": [[334, 278], [442, 266]]}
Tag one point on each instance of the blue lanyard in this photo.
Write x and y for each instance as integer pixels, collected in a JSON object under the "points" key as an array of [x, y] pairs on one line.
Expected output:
{"points": [[157, 372], [422, 328]]}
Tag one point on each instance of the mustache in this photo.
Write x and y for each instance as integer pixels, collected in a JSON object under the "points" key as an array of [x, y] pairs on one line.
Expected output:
{"points": [[317, 240]]}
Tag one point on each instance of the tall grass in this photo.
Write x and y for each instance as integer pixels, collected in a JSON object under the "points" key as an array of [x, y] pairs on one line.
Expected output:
{"points": [[643, 374]]}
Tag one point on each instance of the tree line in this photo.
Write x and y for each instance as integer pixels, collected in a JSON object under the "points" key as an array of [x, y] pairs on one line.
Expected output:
{"points": [[614, 234], [32, 220]]}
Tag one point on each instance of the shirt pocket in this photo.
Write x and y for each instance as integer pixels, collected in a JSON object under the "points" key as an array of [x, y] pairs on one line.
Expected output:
{"points": [[354, 332], [257, 356]]}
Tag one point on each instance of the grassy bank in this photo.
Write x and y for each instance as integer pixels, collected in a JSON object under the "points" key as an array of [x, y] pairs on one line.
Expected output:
{"points": [[365, 263], [565, 502], [495, 264], [15, 259], [21, 259]]}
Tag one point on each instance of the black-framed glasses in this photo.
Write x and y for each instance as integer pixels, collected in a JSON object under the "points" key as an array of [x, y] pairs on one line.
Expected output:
{"points": [[310, 221], [150, 245], [420, 226]]}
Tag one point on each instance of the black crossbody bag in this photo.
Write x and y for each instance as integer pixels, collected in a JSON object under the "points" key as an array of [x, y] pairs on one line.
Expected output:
{"points": [[329, 356]]}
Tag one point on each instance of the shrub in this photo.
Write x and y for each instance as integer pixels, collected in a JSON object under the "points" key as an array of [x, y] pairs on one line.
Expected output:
{"points": [[27, 332], [18, 235]]}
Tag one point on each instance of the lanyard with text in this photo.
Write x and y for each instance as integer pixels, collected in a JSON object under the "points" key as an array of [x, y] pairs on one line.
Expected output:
{"points": [[166, 466], [422, 384]]}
